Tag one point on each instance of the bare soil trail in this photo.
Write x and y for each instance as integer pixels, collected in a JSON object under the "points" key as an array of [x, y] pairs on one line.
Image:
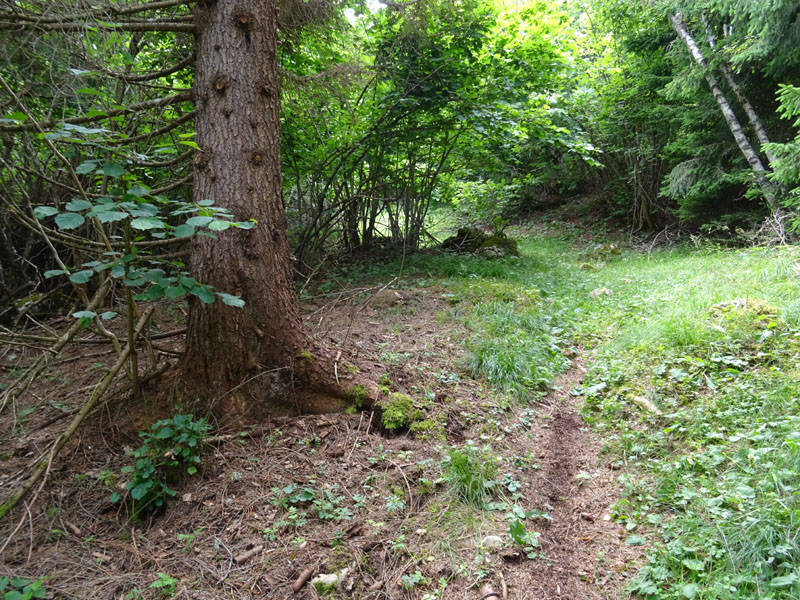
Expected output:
{"points": [[584, 555]]}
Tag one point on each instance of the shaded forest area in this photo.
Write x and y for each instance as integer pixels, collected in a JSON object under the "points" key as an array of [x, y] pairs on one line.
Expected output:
{"points": [[220, 220]]}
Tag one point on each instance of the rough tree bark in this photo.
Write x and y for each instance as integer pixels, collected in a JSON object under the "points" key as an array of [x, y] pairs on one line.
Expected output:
{"points": [[242, 363], [730, 117]]}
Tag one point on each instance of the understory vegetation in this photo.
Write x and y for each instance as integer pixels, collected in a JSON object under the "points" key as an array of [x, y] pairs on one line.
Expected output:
{"points": [[425, 299]]}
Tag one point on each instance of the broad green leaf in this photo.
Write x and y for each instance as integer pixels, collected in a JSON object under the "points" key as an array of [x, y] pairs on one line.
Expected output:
{"points": [[108, 315], [204, 293], [145, 223], [89, 91], [199, 221], [191, 145], [231, 300], [78, 204], [81, 276], [205, 203], [784, 581], [138, 190], [139, 491], [182, 231], [114, 498], [113, 169], [70, 220], [218, 225], [154, 292], [163, 433], [86, 167], [16, 117], [54, 273], [635, 540], [40, 212], [191, 469], [693, 564], [84, 314], [83, 130], [110, 216], [690, 590], [175, 292]]}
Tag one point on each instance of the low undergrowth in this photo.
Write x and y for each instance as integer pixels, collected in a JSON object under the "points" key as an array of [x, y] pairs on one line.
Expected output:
{"points": [[695, 386]]}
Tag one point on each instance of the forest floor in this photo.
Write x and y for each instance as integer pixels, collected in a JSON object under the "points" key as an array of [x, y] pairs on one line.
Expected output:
{"points": [[564, 417]]}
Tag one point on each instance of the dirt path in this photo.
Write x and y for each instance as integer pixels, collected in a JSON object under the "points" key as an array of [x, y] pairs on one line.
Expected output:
{"points": [[584, 554]]}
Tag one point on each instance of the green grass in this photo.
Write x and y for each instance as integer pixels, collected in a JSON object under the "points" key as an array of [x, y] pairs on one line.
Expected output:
{"points": [[714, 484], [717, 489]]}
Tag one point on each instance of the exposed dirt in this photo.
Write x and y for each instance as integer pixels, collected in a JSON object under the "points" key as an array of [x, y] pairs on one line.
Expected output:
{"points": [[379, 508]]}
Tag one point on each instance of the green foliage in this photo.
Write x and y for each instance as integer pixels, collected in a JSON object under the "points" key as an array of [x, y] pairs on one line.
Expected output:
{"points": [[165, 584], [170, 446], [786, 166], [356, 394], [710, 339], [146, 217], [470, 474], [20, 588], [527, 540], [409, 581]]}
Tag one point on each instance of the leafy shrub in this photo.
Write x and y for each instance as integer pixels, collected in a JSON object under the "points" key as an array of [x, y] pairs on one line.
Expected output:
{"points": [[169, 445]]}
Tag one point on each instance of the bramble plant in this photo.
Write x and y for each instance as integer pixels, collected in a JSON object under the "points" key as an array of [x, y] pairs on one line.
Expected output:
{"points": [[170, 444]]}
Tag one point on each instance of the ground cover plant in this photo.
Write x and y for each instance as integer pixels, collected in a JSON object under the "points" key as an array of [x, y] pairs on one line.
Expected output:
{"points": [[695, 384]]}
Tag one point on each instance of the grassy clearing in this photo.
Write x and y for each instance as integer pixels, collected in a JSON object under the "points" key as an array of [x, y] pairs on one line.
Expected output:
{"points": [[694, 383]]}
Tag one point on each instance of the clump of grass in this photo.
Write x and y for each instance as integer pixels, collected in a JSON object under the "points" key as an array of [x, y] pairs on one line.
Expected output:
{"points": [[470, 475], [516, 348]]}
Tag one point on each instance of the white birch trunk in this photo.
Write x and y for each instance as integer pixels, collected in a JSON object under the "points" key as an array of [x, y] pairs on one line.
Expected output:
{"points": [[730, 117], [755, 121]]}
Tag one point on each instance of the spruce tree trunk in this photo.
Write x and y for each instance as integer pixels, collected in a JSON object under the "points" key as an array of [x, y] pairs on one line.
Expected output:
{"points": [[242, 363], [730, 117]]}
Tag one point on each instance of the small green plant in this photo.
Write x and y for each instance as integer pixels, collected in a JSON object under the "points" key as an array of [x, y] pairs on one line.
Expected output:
{"points": [[328, 506], [165, 584], [188, 539], [169, 445], [20, 588], [292, 496], [411, 580], [394, 503], [470, 475], [527, 540]]}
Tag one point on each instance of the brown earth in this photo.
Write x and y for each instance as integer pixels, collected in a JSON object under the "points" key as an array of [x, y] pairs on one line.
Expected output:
{"points": [[380, 507]]}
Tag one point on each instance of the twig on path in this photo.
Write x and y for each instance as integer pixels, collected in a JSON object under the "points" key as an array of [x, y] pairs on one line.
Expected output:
{"points": [[302, 578]]}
